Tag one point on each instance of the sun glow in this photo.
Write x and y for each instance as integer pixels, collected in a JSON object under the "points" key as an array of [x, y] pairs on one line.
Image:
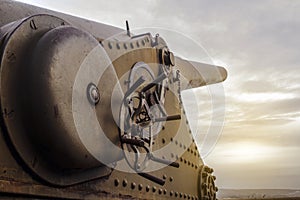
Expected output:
{"points": [[247, 152]]}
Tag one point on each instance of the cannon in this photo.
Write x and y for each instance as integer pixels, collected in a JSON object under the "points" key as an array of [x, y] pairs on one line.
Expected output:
{"points": [[91, 111]]}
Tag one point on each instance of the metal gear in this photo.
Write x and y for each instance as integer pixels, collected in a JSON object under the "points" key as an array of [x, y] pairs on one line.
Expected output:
{"points": [[207, 188]]}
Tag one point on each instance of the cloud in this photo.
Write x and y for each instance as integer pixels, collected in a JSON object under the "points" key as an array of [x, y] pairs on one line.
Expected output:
{"points": [[270, 112], [258, 86]]}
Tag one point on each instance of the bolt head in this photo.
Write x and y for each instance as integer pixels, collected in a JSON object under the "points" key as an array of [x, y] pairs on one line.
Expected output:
{"points": [[93, 94]]}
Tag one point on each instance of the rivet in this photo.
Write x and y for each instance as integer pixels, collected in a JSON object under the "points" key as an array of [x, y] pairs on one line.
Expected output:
{"points": [[147, 188], [172, 155], [165, 191], [125, 46], [181, 159], [184, 161], [110, 45], [163, 141], [125, 183], [181, 195], [165, 176], [118, 46], [189, 196], [189, 163], [171, 178], [160, 191], [176, 142], [176, 194], [153, 189], [185, 196], [133, 185], [184, 147], [171, 193], [180, 145], [131, 45], [137, 44], [140, 186], [116, 182], [171, 139], [188, 149]]}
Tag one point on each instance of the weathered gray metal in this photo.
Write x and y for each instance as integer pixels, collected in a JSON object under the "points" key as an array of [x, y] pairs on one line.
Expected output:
{"points": [[61, 78], [11, 11]]}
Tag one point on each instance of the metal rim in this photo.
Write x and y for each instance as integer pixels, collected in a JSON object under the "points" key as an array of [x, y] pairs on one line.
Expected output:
{"points": [[25, 34]]}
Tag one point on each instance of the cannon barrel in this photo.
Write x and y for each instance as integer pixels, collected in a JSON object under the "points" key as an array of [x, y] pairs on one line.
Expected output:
{"points": [[200, 74]]}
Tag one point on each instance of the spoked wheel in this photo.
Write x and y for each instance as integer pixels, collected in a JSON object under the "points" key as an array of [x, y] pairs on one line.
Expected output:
{"points": [[139, 109]]}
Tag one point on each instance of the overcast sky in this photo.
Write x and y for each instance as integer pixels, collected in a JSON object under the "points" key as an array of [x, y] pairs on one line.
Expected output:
{"points": [[258, 41]]}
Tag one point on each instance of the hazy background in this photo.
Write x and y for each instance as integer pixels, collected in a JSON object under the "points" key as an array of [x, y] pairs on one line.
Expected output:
{"points": [[258, 41]]}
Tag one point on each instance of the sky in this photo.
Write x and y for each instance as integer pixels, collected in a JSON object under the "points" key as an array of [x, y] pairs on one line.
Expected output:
{"points": [[258, 42]]}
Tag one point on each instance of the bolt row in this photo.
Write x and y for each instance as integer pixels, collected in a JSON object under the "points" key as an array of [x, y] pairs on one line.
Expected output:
{"points": [[154, 189], [131, 45], [189, 163], [194, 152], [182, 195]]}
